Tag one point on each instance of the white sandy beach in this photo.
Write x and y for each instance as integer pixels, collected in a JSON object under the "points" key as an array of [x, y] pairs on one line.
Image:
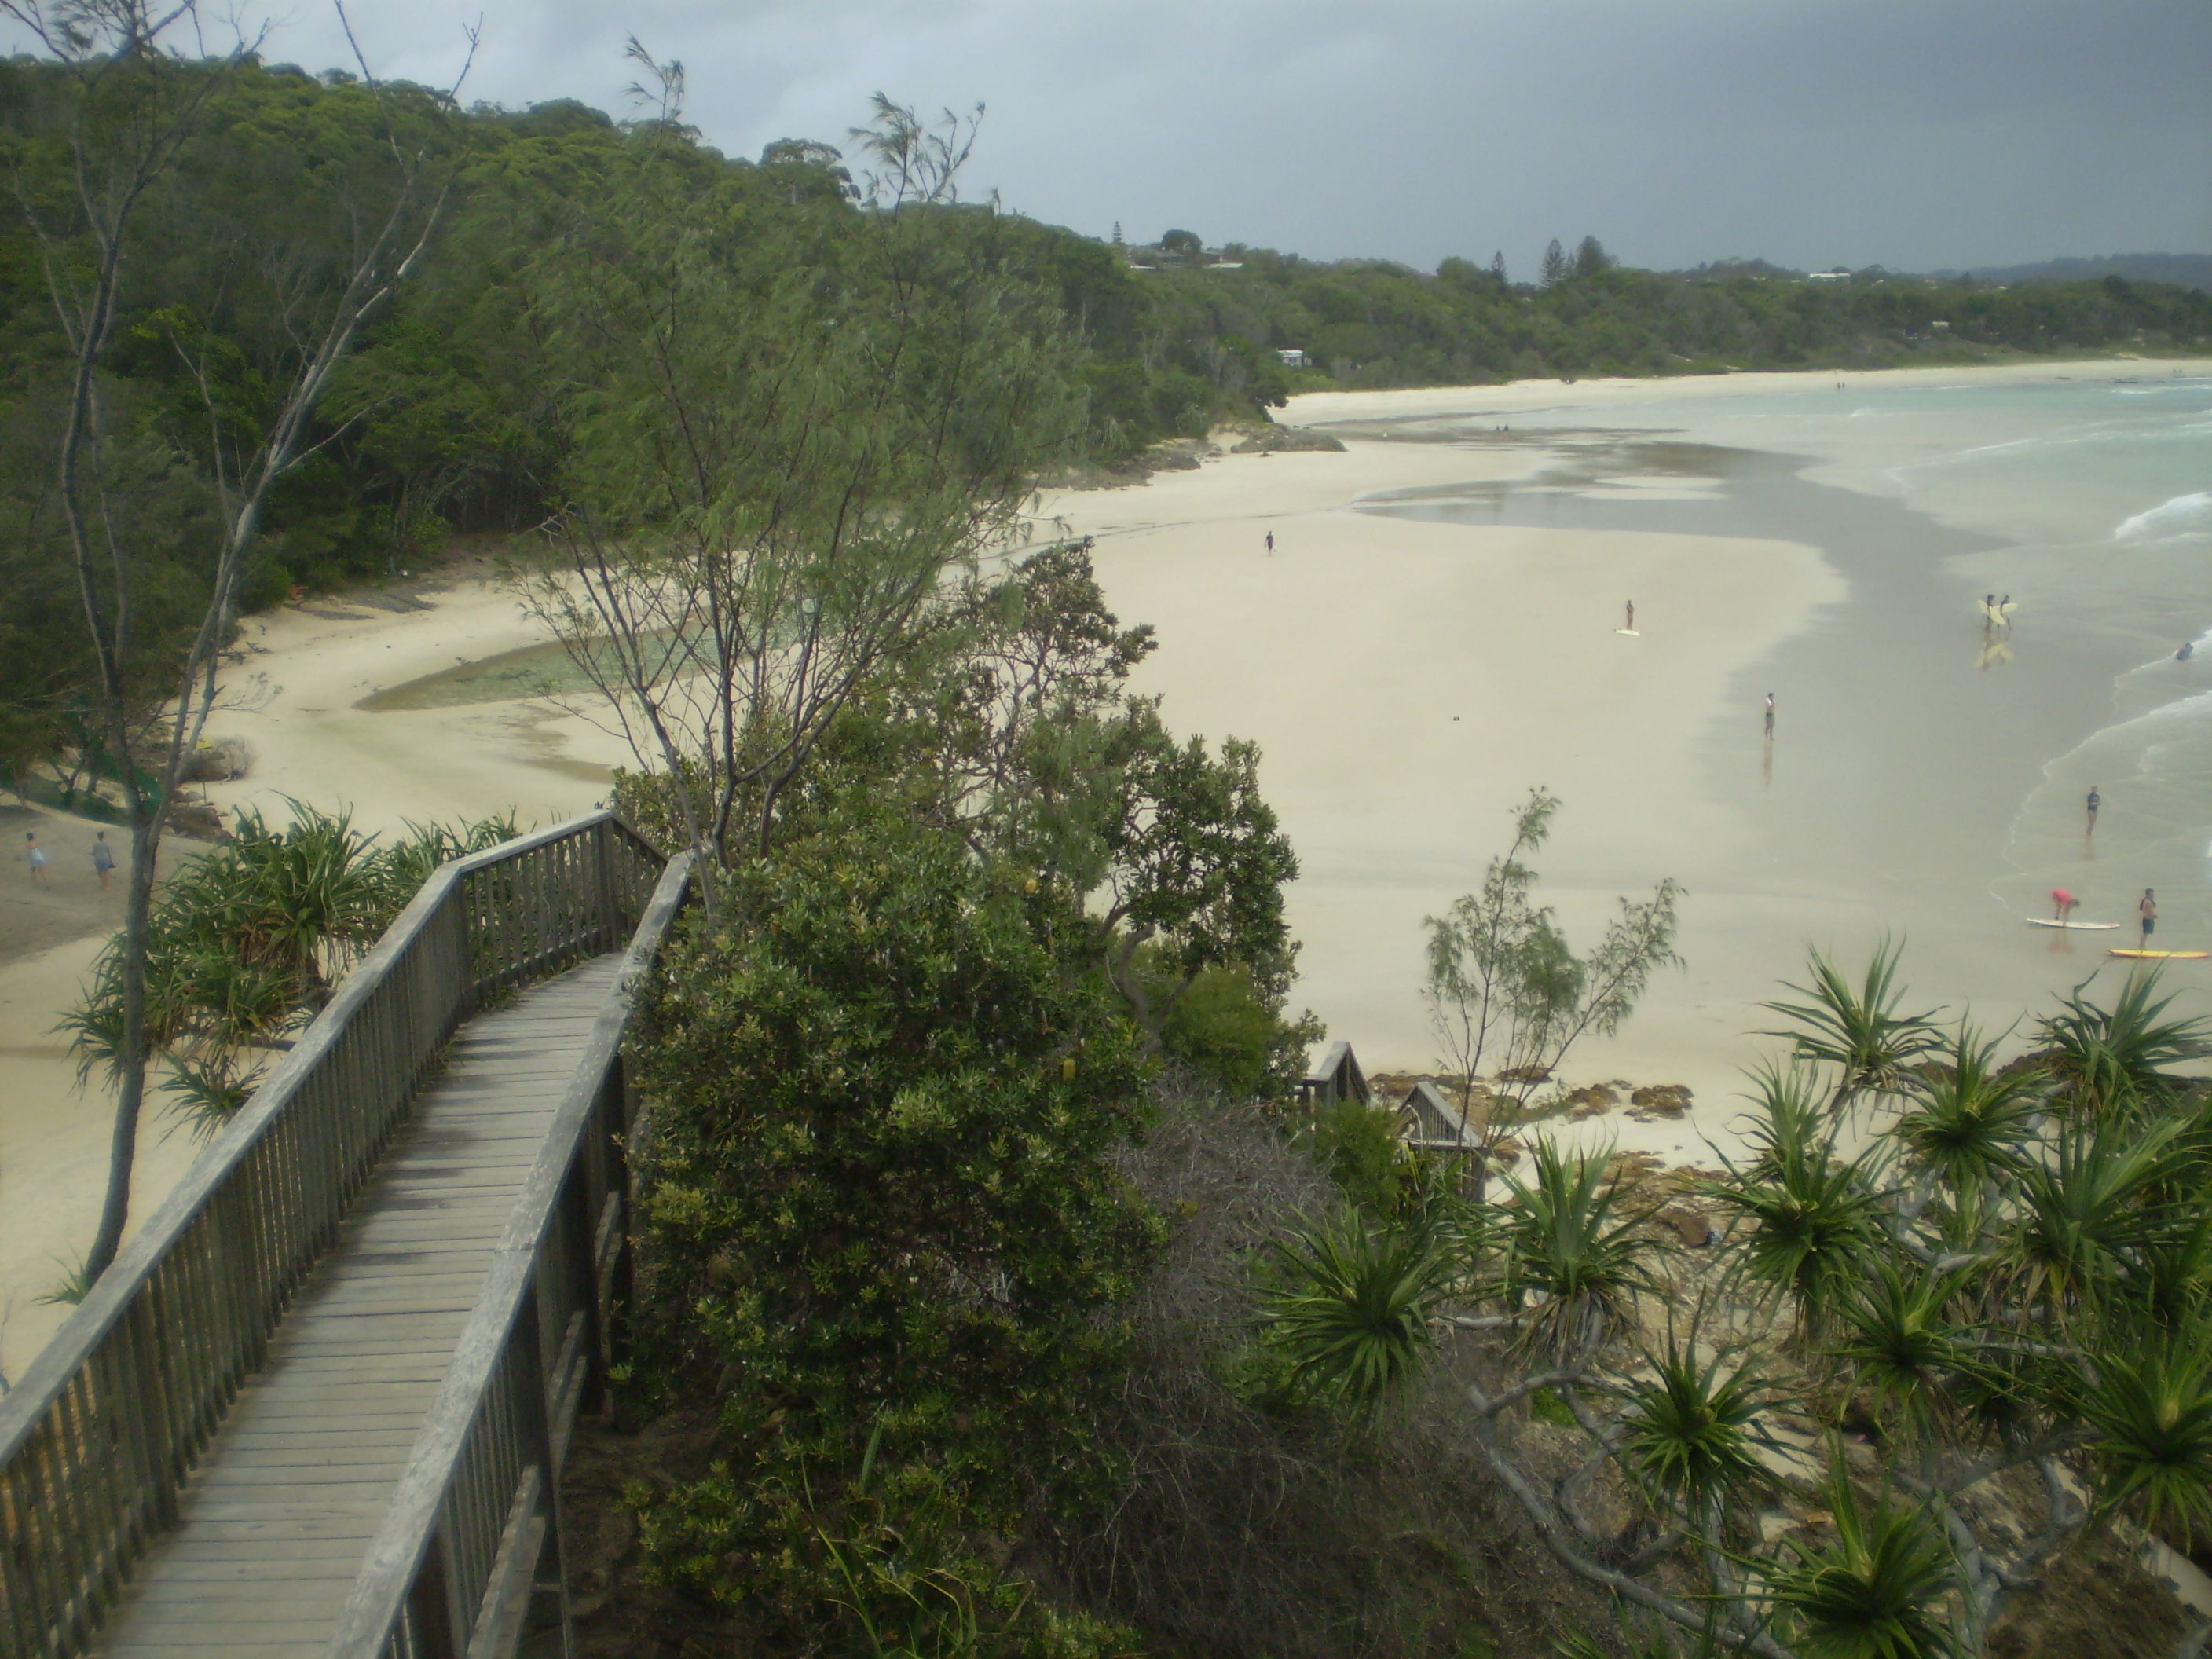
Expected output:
{"points": [[1407, 681]]}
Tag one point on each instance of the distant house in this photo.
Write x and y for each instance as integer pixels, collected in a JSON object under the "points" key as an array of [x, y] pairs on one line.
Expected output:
{"points": [[1292, 357], [1336, 1077], [1828, 275]]}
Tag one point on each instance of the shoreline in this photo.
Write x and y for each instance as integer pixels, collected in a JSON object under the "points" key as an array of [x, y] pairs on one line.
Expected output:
{"points": [[1347, 654]]}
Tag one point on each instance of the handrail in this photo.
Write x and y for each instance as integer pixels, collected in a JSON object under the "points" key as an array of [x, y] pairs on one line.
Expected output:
{"points": [[98, 1437], [452, 1567]]}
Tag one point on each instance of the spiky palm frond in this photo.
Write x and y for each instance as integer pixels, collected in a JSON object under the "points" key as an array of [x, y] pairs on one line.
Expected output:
{"points": [[208, 1088], [1877, 1592], [1900, 1332], [1693, 1429], [1574, 1252], [2080, 1214], [1810, 1222], [1969, 1116], [1855, 1027], [2148, 1409], [2107, 1056], [1350, 1308]]}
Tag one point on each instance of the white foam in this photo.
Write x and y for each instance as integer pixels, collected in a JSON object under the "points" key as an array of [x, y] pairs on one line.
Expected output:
{"points": [[2183, 515]]}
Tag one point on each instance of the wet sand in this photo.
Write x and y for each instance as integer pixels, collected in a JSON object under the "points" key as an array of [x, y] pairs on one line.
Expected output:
{"points": [[1409, 671], [1880, 809]]}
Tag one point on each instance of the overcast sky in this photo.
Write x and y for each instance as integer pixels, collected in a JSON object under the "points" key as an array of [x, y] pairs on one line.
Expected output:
{"points": [[1913, 133]]}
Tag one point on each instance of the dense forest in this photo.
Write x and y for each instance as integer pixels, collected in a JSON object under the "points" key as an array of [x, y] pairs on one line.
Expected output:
{"points": [[456, 407], [998, 1294]]}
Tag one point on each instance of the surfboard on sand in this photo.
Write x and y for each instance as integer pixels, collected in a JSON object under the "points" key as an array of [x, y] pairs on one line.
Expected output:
{"points": [[2076, 927], [2161, 955], [1633, 633]]}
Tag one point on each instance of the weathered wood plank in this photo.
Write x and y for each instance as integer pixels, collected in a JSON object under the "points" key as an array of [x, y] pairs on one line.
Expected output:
{"points": [[275, 1521]]}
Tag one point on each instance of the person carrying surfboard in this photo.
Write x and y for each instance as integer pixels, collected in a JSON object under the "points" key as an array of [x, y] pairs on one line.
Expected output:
{"points": [[2148, 911]]}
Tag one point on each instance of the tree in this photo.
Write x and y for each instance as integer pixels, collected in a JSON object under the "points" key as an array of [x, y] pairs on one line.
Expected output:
{"points": [[778, 452], [1503, 985], [1590, 258], [1184, 244], [1965, 1349], [884, 1202], [121, 117], [1553, 270], [1497, 268]]}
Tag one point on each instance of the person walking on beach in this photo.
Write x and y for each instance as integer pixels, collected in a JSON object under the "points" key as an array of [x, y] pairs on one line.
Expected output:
{"points": [[103, 858], [1770, 713], [2062, 902], [2092, 801], [37, 854], [1629, 626], [2148, 911], [1270, 541]]}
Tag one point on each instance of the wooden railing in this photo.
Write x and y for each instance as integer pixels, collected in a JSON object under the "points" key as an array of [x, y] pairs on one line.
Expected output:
{"points": [[472, 1538], [97, 1439]]}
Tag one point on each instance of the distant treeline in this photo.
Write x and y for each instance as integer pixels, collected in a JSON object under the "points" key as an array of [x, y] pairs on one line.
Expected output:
{"points": [[458, 409]]}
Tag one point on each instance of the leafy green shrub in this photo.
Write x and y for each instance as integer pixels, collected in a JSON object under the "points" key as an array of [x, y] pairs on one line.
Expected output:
{"points": [[883, 1207]]}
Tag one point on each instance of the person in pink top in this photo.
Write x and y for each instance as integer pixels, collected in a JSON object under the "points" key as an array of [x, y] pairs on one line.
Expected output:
{"points": [[2063, 902]]}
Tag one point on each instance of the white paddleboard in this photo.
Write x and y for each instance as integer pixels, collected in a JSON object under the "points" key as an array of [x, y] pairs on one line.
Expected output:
{"points": [[1633, 634], [2076, 927]]}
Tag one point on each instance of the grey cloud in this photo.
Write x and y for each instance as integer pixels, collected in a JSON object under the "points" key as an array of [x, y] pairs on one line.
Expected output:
{"points": [[1912, 132]]}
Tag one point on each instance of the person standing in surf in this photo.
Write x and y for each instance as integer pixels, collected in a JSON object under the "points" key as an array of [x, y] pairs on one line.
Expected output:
{"points": [[2093, 802], [2148, 911], [2062, 905], [1770, 713], [1629, 626]]}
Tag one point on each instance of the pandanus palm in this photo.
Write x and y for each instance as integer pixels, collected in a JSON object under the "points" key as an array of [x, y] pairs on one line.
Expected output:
{"points": [[2078, 1217], [1693, 1430], [2148, 1410], [1877, 1592], [2105, 1057], [1967, 1122], [1810, 1223], [1855, 1027], [1900, 1332], [1575, 1255], [1350, 1307]]}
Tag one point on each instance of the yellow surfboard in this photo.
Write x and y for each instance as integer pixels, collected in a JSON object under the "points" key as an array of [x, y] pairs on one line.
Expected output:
{"points": [[2162, 956]]}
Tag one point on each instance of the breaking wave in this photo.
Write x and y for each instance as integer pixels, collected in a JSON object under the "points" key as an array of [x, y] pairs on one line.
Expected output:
{"points": [[2183, 515]]}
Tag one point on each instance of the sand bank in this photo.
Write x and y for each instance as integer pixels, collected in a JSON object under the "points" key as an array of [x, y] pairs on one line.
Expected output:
{"points": [[313, 743], [1409, 683]]}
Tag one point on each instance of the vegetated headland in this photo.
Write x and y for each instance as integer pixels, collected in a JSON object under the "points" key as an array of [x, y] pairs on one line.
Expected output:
{"points": [[1001, 1294]]}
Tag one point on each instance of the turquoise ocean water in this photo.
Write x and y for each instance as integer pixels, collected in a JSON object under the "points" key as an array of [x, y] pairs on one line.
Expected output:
{"points": [[1926, 765]]}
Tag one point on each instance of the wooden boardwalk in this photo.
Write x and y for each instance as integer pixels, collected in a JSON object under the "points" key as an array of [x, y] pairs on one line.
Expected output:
{"points": [[276, 1517]]}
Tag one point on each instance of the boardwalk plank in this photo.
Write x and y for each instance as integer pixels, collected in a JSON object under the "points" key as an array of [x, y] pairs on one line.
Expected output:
{"points": [[276, 1519]]}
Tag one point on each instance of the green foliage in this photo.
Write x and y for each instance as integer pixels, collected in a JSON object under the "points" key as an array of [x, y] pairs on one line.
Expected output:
{"points": [[1574, 1253], [1503, 984], [1809, 1221], [1693, 1429], [1856, 1028], [1349, 1310], [882, 1186], [247, 942], [1231, 1032], [1876, 1592], [2106, 1057], [1359, 1145]]}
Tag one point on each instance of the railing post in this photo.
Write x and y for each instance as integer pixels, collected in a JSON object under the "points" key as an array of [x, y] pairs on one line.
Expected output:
{"points": [[611, 916]]}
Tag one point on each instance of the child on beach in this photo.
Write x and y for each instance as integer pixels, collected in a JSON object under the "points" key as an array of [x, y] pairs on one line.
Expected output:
{"points": [[38, 855]]}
